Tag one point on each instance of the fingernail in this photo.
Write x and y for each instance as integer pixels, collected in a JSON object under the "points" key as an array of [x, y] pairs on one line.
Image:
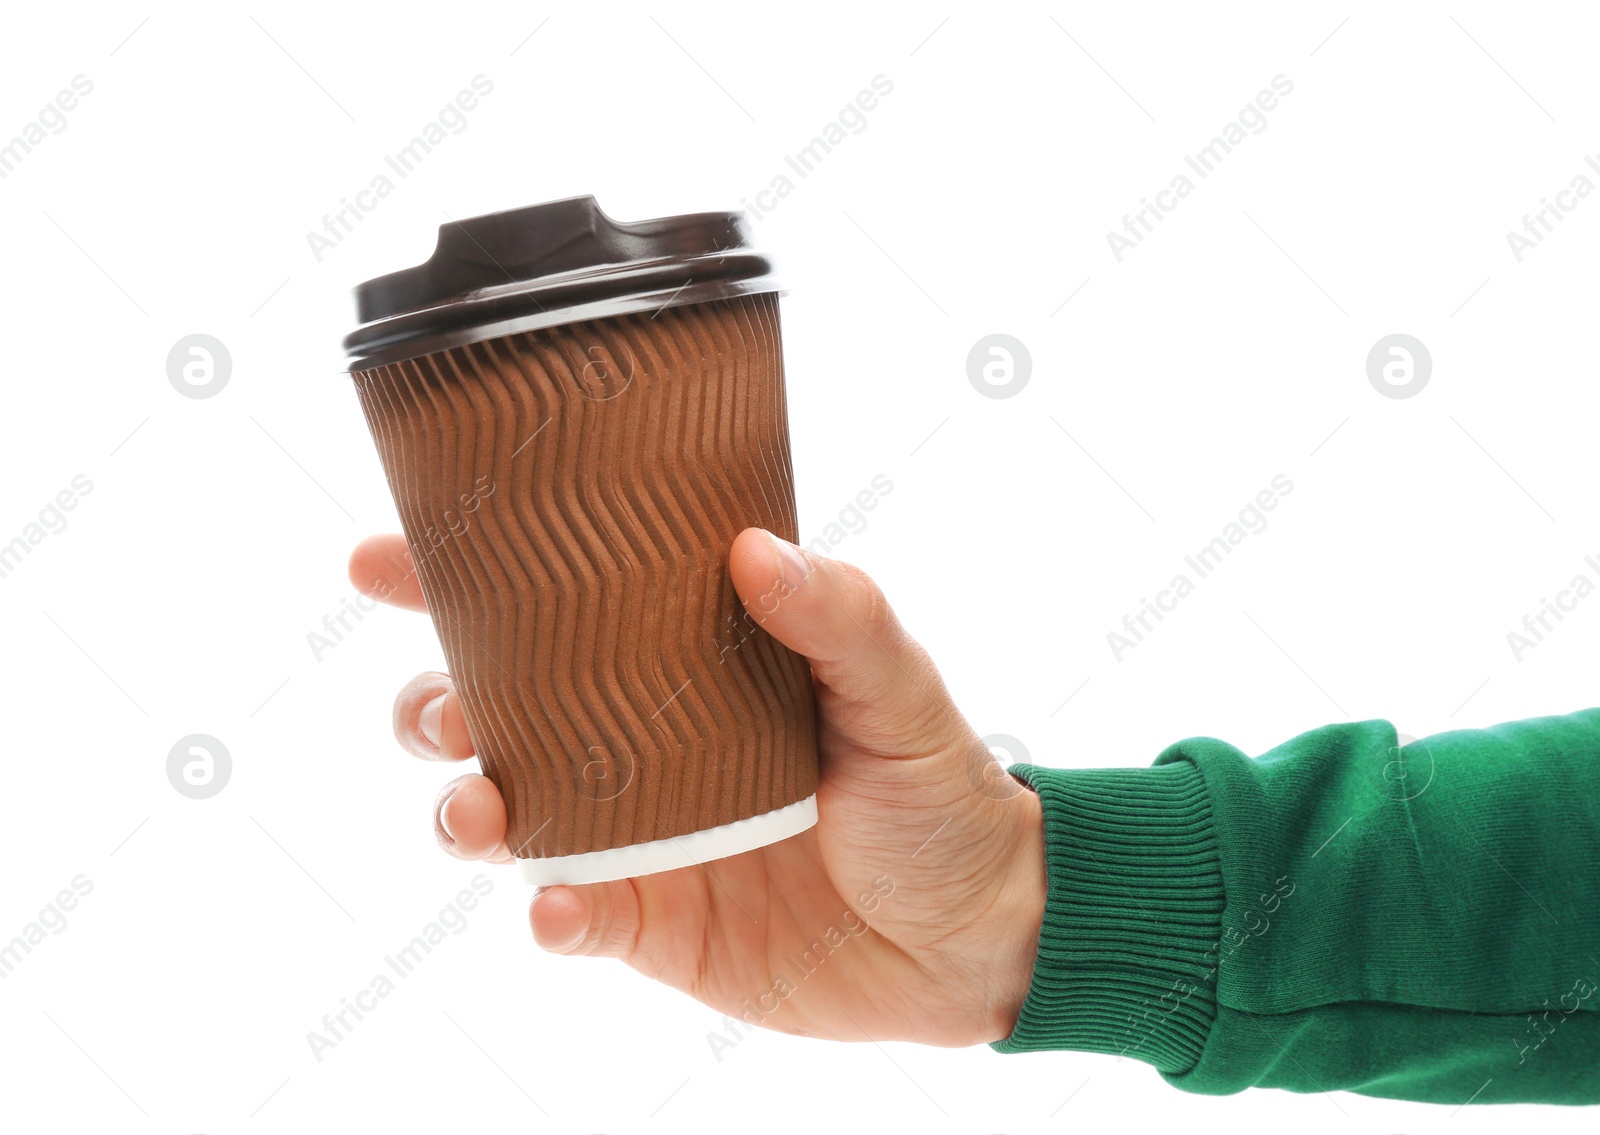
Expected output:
{"points": [[444, 816], [795, 566], [431, 720]]}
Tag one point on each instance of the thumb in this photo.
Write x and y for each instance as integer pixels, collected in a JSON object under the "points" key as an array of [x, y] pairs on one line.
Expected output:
{"points": [[871, 674]]}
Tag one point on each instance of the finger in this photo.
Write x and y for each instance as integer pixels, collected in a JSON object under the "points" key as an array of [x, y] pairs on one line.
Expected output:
{"points": [[469, 819], [381, 566], [872, 672], [428, 721], [598, 920]]}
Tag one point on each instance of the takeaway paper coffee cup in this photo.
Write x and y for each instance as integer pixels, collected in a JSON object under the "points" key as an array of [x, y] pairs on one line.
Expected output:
{"points": [[576, 416]]}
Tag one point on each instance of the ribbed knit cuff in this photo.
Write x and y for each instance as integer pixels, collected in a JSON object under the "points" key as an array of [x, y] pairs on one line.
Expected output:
{"points": [[1133, 915]]}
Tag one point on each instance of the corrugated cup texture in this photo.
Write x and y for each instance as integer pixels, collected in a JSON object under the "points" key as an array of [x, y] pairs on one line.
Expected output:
{"points": [[570, 496]]}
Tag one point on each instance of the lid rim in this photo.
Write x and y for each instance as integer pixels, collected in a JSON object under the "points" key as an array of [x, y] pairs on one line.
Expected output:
{"points": [[547, 264], [408, 345]]}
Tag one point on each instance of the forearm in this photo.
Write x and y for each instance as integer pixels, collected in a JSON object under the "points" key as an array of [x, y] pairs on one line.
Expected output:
{"points": [[1337, 913]]}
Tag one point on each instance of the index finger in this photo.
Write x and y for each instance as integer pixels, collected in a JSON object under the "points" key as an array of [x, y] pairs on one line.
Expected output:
{"points": [[381, 566]]}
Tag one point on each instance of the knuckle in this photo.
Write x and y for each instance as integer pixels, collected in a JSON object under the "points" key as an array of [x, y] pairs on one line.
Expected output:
{"points": [[612, 929], [869, 607]]}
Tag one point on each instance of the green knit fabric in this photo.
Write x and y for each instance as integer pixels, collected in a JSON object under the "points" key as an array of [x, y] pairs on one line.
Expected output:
{"points": [[1418, 922]]}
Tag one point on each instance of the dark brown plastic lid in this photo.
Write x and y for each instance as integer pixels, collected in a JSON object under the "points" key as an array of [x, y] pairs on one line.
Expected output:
{"points": [[549, 264]]}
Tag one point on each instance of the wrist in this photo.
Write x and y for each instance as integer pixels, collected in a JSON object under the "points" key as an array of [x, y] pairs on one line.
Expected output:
{"points": [[1135, 895], [1018, 913]]}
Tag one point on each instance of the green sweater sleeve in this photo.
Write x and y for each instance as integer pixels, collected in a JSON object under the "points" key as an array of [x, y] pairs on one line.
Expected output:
{"points": [[1418, 922]]}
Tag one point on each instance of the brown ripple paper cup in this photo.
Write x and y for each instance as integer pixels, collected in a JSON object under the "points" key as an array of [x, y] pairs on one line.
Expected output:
{"points": [[576, 417]]}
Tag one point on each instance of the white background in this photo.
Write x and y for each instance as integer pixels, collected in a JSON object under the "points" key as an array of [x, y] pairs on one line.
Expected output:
{"points": [[1230, 346]]}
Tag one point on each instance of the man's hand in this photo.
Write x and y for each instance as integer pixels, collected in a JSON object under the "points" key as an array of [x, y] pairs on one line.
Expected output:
{"points": [[911, 911]]}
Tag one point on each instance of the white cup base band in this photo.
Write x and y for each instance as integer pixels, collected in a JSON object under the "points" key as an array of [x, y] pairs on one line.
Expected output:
{"points": [[673, 852]]}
